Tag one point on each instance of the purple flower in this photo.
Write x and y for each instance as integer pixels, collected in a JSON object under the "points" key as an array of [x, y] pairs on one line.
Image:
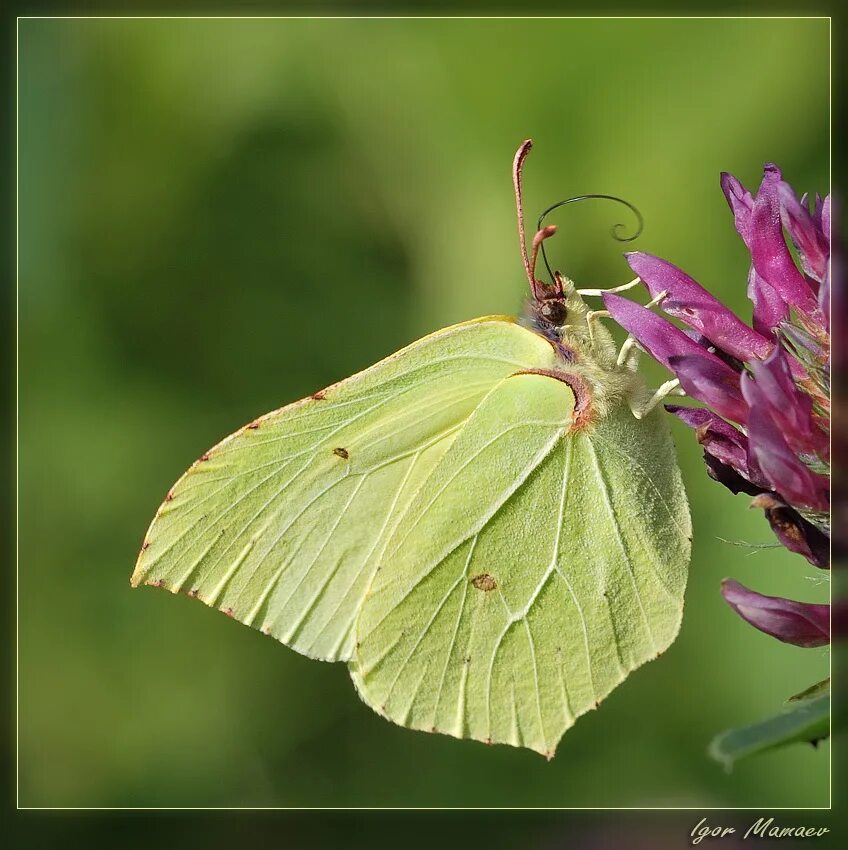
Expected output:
{"points": [[800, 623], [766, 425], [766, 387], [692, 304]]}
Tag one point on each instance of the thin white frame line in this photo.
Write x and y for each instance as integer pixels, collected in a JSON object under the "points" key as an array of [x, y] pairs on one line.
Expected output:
{"points": [[830, 442], [425, 808], [424, 17], [17, 424], [18, 19]]}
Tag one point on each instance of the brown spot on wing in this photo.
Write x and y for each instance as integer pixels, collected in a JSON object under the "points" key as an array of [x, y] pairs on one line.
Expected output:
{"points": [[484, 582]]}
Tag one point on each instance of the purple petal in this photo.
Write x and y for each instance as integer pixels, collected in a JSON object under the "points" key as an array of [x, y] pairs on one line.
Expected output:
{"points": [[688, 301], [703, 375], [799, 623], [801, 338], [659, 337], [793, 531], [823, 214], [734, 362], [729, 477], [769, 452], [703, 420], [719, 438], [790, 408], [824, 300], [725, 448], [770, 310], [741, 203], [770, 307], [813, 248], [772, 258], [712, 381]]}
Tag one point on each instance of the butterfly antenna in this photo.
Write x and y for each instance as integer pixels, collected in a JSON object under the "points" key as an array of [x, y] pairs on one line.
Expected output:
{"points": [[537, 287], [517, 165], [615, 230]]}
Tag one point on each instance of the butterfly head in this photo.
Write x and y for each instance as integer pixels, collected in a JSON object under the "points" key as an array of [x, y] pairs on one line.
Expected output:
{"points": [[555, 310], [559, 313], [549, 318], [553, 307]]}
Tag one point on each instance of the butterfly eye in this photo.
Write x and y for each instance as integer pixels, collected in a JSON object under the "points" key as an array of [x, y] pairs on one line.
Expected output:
{"points": [[554, 311]]}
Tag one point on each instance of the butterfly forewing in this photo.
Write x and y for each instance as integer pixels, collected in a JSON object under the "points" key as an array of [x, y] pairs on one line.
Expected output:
{"points": [[283, 523]]}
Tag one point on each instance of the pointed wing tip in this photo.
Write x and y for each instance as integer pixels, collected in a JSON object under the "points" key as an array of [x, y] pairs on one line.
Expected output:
{"points": [[139, 571]]}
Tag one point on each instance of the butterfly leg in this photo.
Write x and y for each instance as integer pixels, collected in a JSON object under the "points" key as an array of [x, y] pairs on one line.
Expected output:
{"points": [[594, 315], [622, 288], [628, 354], [671, 387]]}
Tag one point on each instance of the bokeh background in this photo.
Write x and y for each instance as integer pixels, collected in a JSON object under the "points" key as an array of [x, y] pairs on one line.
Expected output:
{"points": [[218, 217]]}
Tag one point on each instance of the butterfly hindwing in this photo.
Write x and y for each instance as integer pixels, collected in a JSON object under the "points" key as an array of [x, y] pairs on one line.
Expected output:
{"points": [[534, 569], [282, 524]]}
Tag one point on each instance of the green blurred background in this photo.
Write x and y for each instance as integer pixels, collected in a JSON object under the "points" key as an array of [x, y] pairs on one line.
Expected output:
{"points": [[218, 217]]}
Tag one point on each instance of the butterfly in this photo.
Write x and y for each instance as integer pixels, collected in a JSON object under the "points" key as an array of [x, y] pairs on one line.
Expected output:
{"points": [[488, 527]]}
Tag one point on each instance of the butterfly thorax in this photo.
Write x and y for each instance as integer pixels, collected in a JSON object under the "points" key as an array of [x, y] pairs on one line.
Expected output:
{"points": [[585, 347]]}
